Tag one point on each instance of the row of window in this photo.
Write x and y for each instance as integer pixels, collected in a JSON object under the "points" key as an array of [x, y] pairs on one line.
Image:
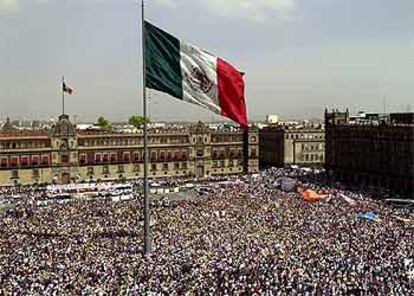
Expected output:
{"points": [[222, 153], [228, 138], [132, 141], [23, 144], [110, 157], [27, 160], [222, 170], [138, 167], [167, 166], [312, 147], [232, 138], [106, 170], [222, 164], [35, 174], [312, 157], [136, 156], [305, 136]]}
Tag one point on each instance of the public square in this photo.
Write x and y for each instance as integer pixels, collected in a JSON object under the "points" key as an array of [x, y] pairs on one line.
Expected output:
{"points": [[247, 237]]}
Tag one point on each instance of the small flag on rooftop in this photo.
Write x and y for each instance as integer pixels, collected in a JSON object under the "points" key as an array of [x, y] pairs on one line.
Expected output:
{"points": [[67, 89]]}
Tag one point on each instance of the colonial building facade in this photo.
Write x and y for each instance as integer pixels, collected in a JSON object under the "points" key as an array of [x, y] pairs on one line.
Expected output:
{"points": [[64, 154], [280, 145], [372, 152]]}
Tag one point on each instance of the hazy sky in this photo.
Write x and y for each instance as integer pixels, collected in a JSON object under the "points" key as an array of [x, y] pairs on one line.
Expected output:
{"points": [[299, 55]]}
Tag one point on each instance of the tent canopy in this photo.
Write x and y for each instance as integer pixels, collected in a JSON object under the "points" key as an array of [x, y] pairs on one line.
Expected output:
{"points": [[310, 195]]}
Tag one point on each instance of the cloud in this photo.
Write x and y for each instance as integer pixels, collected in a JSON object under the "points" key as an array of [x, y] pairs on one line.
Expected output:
{"points": [[168, 3], [258, 10], [14, 6], [9, 6]]}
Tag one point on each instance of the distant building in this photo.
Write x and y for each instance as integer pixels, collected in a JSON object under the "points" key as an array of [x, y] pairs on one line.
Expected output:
{"points": [[373, 151], [86, 126], [64, 154], [379, 118], [272, 119], [402, 118], [286, 145]]}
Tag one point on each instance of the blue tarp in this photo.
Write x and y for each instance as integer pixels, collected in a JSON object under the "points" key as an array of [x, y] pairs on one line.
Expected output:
{"points": [[368, 215], [371, 216]]}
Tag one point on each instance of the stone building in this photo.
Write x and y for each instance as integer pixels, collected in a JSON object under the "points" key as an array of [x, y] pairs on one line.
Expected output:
{"points": [[64, 154], [377, 153], [286, 145]]}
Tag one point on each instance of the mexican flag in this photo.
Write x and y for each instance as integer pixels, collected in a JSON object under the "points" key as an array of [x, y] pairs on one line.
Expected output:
{"points": [[191, 74], [67, 89]]}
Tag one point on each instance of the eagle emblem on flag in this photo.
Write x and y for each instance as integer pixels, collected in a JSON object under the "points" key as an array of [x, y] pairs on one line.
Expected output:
{"points": [[198, 80]]}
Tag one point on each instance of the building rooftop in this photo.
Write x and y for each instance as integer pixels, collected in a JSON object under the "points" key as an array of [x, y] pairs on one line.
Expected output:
{"points": [[24, 134], [369, 119]]}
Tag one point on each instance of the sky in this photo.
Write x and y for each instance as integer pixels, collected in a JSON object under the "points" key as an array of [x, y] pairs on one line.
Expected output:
{"points": [[299, 56]]}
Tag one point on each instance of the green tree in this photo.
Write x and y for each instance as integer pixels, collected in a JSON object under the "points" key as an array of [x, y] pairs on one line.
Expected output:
{"points": [[138, 121], [102, 122]]}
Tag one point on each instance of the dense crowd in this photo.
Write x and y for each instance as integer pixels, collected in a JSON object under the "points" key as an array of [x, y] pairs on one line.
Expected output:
{"points": [[247, 238], [19, 193]]}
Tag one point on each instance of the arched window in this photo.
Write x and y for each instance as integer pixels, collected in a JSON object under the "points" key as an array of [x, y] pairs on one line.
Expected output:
{"points": [[153, 155], [184, 155]]}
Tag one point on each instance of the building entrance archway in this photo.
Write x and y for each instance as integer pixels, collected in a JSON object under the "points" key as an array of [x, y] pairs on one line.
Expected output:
{"points": [[199, 171], [65, 178]]}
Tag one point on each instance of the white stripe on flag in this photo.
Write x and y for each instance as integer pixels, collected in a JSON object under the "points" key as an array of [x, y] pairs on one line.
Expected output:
{"points": [[199, 77]]}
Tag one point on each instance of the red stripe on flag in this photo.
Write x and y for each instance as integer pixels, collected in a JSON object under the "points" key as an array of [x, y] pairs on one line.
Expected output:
{"points": [[231, 92]]}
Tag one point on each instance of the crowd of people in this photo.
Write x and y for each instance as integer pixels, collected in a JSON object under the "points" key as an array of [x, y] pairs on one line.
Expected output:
{"points": [[246, 238], [20, 193]]}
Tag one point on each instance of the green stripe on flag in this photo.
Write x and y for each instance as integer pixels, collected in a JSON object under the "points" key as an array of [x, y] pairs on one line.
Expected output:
{"points": [[162, 57]]}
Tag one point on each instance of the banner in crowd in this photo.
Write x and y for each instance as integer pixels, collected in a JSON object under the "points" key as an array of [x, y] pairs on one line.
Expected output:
{"points": [[288, 184]]}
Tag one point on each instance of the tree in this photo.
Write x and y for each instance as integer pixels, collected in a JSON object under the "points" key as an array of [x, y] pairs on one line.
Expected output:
{"points": [[102, 122], [138, 121]]}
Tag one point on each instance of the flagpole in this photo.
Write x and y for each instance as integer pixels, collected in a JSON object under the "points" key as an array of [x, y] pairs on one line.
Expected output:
{"points": [[147, 229], [63, 96]]}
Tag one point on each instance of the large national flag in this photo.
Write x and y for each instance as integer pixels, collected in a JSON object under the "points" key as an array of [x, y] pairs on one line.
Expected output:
{"points": [[194, 75]]}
